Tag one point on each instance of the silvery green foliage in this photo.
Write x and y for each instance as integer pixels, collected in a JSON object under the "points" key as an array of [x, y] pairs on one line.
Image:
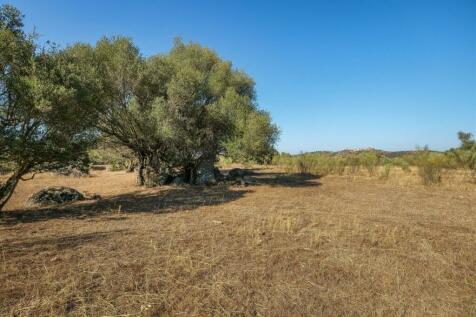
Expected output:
{"points": [[44, 105], [178, 110]]}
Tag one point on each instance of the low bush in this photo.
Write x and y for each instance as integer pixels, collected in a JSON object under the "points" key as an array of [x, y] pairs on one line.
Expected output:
{"points": [[370, 161], [115, 167], [353, 163], [6, 167], [465, 155], [402, 163], [385, 173], [430, 166]]}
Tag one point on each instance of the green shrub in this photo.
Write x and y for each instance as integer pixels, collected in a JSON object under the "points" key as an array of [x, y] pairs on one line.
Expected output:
{"points": [[370, 161], [430, 166], [114, 167], [224, 161], [6, 167], [302, 166], [340, 164], [402, 163], [354, 164], [385, 173], [465, 155]]}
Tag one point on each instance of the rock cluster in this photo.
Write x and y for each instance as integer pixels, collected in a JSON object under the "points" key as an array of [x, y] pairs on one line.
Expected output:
{"points": [[207, 174], [240, 177], [55, 195], [235, 173], [72, 171]]}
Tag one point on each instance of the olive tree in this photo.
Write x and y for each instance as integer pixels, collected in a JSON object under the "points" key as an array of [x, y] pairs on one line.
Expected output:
{"points": [[253, 134], [129, 85], [209, 107], [44, 105], [174, 111], [193, 123]]}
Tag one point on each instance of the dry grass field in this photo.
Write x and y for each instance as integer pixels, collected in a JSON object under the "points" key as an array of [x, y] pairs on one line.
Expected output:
{"points": [[291, 245]]}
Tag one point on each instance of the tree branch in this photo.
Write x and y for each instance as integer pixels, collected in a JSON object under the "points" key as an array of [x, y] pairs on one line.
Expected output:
{"points": [[27, 179]]}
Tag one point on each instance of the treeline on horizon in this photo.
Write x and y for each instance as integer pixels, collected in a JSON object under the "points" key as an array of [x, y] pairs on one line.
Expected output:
{"points": [[430, 164], [173, 113]]}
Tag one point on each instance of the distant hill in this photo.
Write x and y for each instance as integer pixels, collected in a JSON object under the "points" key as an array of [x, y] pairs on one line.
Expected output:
{"points": [[390, 154]]}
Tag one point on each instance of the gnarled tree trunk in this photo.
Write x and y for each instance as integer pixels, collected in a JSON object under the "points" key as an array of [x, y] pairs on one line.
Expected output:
{"points": [[7, 188], [189, 174], [130, 167], [140, 169]]}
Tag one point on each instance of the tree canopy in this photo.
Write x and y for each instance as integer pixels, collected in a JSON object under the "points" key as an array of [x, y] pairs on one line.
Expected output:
{"points": [[178, 110], [44, 104], [174, 111]]}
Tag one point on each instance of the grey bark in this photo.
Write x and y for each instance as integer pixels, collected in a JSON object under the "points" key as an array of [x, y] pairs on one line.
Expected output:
{"points": [[140, 173], [7, 188]]}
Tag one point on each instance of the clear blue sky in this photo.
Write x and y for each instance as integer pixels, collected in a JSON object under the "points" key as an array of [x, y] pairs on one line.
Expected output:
{"points": [[333, 74]]}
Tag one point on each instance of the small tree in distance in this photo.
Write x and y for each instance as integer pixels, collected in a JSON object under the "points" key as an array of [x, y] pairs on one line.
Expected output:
{"points": [[465, 155]]}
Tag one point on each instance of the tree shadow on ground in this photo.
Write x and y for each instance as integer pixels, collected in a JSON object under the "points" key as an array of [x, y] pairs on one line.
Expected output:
{"points": [[159, 200], [156, 200], [285, 179], [56, 243]]}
